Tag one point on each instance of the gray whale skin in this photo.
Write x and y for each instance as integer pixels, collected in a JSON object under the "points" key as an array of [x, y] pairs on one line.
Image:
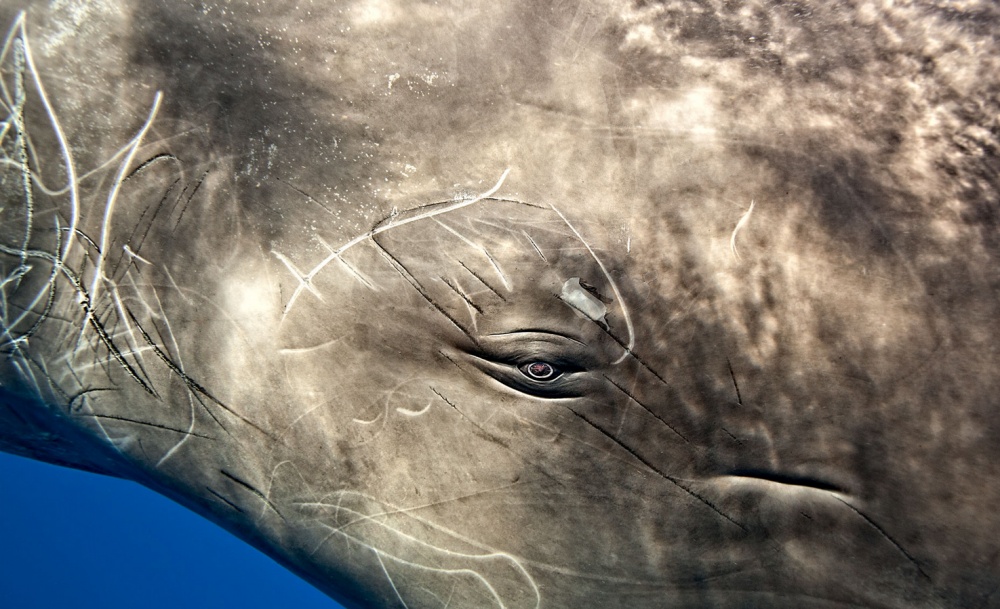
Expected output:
{"points": [[521, 304]]}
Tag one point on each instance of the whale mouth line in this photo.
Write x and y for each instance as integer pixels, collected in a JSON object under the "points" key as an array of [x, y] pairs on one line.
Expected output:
{"points": [[788, 479]]}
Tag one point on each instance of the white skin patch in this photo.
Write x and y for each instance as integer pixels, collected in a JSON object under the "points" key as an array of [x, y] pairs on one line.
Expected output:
{"points": [[583, 301]]}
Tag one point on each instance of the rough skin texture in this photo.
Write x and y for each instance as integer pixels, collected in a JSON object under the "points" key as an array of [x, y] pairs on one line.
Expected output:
{"points": [[288, 264]]}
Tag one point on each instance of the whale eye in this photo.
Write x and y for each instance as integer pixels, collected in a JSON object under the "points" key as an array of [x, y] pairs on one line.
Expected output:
{"points": [[539, 371], [538, 363]]}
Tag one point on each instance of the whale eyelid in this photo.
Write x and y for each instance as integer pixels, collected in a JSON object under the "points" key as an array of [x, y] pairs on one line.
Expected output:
{"points": [[539, 331]]}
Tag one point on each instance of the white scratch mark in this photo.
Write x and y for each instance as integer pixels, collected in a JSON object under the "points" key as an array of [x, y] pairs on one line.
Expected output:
{"points": [[538, 250], [301, 350], [134, 255], [414, 413], [359, 518], [180, 366], [133, 342], [496, 266], [307, 412], [482, 250], [28, 375], [109, 205], [467, 301], [270, 485], [362, 422], [381, 229], [82, 367], [378, 555], [350, 269], [744, 219], [43, 291], [181, 292], [305, 281], [71, 178]]}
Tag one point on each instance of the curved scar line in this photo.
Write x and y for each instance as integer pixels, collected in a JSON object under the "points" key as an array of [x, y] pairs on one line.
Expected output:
{"points": [[300, 350], [113, 195], [362, 518], [414, 413], [305, 281], [363, 422], [71, 178], [740, 225]]}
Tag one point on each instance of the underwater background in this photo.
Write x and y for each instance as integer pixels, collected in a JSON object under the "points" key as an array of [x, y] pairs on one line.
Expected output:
{"points": [[132, 541]]}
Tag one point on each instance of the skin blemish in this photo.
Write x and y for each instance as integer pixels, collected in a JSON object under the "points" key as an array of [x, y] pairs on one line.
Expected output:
{"points": [[578, 297]]}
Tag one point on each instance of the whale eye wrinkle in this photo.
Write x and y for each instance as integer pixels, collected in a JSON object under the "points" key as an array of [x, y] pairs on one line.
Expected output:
{"points": [[539, 371]]}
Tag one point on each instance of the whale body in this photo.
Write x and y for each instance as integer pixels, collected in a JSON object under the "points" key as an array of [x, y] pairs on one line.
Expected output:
{"points": [[524, 305]]}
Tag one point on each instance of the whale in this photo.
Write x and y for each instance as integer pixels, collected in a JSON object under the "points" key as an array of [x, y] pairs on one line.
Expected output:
{"points": [[584, 303]]}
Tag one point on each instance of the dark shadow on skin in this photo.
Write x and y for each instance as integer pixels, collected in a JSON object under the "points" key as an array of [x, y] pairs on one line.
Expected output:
{"points": [[218, 74], [852, 205]]}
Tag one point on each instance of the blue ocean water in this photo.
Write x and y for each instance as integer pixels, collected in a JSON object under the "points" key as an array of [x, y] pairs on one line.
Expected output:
{"points": [[73, 540]]}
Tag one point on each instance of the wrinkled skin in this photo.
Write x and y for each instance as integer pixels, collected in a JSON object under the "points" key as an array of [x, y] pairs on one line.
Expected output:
{"points": [[300, 291]]}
